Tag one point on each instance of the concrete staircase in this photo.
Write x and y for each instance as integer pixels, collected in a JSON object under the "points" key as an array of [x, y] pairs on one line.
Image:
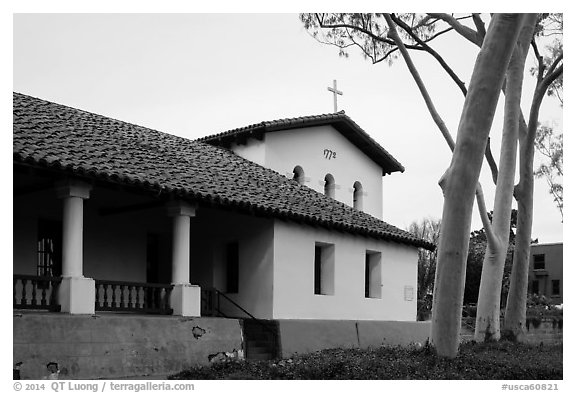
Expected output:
{"points": [[261, 339]]}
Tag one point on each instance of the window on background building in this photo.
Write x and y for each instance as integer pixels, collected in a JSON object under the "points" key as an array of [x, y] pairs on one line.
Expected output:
{"points": [[323, 269], [357, 198], [298, 174], [329, 185], [373, 275], [555, 287], [232, 267], [536, 287], [539, 262]]}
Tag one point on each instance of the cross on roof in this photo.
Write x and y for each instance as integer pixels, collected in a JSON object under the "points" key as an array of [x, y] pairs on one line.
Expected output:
{"points": [[336, 92]]}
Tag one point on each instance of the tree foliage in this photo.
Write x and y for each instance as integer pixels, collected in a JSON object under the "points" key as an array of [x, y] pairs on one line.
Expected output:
{"points": [[551, 146], [369, 32], [550, 29]]}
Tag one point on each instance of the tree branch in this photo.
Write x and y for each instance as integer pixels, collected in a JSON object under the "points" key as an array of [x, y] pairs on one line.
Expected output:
{"points": [[535, 48], [416, 76], [464, 31], [553, 66], [550, 77], [363, 30], [489, 157], [491, 162], [437, 119], [438, 34], [434, 54], [479, 23], [490, 235]]}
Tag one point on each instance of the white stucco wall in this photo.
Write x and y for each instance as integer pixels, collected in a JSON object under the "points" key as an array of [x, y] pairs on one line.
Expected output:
{"points": [[283, 150], [211, 231], [253, 150], [276, 270], [294, 296]]}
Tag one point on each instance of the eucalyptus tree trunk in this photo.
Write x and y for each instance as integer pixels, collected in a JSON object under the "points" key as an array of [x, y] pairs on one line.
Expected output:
{"points": [[488, 312], [515, 316], [459, 181]]}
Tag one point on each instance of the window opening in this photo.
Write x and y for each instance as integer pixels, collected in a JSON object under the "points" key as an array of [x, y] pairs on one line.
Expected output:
{"points": [[232, 267], [357, 196], [373, 275], [298, 174], [329, 185], [324, 269], [539, 262], [555, 287]]}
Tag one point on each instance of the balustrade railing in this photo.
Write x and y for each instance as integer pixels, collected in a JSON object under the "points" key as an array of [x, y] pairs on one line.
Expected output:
{"points": [[122, 296], [35, 292]]}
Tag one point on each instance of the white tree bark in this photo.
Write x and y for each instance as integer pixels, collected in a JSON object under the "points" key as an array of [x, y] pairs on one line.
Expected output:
{"points": [[393, 34], [515, 316], [462, 176], [488, 312]]}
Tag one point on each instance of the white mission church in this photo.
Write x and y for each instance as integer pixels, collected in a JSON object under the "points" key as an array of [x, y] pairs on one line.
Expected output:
{"points": [[276, 220]]}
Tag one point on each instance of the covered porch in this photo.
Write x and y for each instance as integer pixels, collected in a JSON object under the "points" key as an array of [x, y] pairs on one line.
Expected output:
{"points": [[85, 246]]}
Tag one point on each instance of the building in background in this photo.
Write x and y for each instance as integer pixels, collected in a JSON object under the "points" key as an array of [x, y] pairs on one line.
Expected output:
{"points": [[546, 271]]}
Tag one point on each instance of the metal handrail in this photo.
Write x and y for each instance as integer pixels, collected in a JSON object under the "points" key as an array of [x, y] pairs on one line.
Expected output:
{"points": [[217, 309], [233, 302]]}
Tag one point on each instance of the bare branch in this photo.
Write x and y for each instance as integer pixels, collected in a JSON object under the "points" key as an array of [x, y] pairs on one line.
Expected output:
{"points": [[363, 30], [464, 31], [416, 76], [439, 34], [489, 157], [490, 235], [555, 63], [436, 117], [535, 48], [491, 162], [479, 23], [551, 77], [435, 54]]}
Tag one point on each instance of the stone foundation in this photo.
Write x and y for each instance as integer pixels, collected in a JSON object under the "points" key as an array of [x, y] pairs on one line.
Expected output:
{"points": [[118, 345]]}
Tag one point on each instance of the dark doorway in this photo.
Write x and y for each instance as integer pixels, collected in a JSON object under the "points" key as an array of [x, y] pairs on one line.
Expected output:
{"points": [[158, 258], [232, 267], [152, 258]]}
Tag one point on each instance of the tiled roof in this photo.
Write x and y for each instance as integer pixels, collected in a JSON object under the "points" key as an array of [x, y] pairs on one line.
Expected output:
{"points": [[54, 136], [340, 121]]}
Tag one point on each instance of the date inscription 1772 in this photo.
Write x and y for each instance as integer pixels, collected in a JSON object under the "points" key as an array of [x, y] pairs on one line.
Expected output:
{"points": [[329, 154]]}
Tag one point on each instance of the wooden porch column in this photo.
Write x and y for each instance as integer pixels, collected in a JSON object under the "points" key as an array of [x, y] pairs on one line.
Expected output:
{"points": [[185, 298], [76, 293]]}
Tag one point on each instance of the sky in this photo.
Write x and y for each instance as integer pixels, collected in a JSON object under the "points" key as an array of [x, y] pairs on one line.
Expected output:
{"points": [[198, 74]]}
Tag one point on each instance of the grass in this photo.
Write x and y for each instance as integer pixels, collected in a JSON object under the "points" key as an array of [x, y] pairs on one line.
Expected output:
{"points": [[501, 361]]}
